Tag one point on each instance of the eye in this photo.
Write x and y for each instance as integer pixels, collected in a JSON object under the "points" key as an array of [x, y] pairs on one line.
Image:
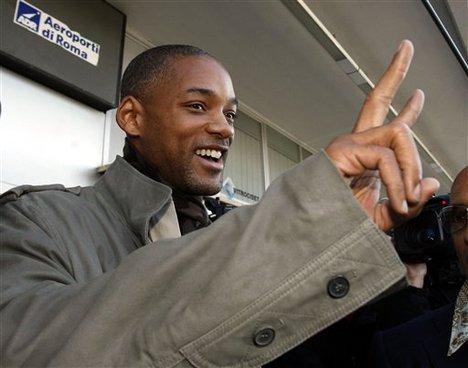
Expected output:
{"points": [[197, 106], [458, 214], [231, 116]]}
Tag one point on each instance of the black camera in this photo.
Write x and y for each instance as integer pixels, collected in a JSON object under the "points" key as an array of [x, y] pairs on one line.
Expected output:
{"points": [[423, 238]]}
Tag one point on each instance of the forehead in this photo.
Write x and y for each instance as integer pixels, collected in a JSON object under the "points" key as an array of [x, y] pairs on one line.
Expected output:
{"points": [[199, 71]]}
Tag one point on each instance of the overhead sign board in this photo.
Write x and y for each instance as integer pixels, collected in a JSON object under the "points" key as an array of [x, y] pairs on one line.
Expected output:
{"points": [[55, 31], [75, 47]]}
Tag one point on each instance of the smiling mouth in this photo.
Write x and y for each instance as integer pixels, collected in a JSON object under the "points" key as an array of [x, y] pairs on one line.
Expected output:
{"points": [[210, 154]]}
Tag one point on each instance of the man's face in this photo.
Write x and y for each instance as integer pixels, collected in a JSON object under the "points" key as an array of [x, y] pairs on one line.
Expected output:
{"points": [[459, 196], [188, 125]]}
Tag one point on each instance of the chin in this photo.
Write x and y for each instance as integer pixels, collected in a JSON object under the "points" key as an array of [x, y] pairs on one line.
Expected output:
{"points": [[202, 188], [211, 190], [210, 185]]}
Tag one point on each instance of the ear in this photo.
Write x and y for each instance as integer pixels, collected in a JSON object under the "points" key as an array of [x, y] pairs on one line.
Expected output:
{"points": [[129, 116]]}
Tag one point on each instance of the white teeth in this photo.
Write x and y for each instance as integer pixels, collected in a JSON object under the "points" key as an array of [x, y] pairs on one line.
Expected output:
{"points": [[210, 153]]}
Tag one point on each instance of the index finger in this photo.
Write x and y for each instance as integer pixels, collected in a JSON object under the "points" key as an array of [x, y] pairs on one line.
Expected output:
{"points": [[377, 104]]}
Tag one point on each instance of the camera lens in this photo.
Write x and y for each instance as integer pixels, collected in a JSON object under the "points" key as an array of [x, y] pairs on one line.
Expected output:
{"points": [[427, 237]]}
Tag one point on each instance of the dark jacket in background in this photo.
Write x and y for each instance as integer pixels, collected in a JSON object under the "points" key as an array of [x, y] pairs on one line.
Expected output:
{"points": [[419, 343]]}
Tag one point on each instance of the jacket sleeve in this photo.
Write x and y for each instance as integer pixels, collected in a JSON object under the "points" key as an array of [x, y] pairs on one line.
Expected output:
{"points": [[248, 288]]}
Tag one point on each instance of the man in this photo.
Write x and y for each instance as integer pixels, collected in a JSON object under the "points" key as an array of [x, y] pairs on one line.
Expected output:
{"points": [[438, 338], [100, 276]]}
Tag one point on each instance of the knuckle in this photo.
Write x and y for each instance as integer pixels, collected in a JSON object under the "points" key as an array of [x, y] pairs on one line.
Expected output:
{"points": [[379, 97], [401, 128]]}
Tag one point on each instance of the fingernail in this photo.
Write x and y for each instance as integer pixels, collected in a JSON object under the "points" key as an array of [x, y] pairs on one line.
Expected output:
{"points": [[404, 207], [401, 45]]}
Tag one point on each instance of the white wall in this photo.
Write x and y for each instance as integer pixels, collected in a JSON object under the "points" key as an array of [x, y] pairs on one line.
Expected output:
{"points": [[46, 137]]}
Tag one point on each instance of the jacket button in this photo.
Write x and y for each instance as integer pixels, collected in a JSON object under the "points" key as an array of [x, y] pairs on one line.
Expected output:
{"points": [[264, 337], [338, 287]]}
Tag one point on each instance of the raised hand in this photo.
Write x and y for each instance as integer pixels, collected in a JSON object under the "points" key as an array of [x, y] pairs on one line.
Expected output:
{"points": [[375, 151]]}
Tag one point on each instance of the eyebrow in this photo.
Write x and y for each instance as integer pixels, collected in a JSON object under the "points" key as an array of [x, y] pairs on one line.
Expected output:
{"points": [[209, 92]]}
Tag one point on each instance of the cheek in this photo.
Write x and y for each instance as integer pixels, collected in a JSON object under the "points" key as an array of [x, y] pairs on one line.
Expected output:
{"points": [[460, 243], [158, 141]]}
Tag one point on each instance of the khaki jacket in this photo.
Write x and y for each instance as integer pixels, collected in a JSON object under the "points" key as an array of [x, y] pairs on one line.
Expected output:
{"points": [[83, 286]]}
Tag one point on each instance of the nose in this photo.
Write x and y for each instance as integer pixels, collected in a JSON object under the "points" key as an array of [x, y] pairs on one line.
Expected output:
{"points": [[220, 126]]}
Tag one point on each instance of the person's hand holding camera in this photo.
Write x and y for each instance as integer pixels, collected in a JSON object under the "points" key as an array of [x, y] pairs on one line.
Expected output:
{"points": [[415, 274]]}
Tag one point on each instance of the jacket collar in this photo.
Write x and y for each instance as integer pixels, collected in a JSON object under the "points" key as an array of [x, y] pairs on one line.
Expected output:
{"points": [[135, 196]]}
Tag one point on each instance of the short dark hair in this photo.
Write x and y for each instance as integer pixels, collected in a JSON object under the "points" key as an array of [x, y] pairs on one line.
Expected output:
{"points": [[150, 66]]}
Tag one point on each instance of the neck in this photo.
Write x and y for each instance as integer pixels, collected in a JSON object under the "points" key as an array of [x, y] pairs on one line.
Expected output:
{"points": [[134, 158], [191, 211]]}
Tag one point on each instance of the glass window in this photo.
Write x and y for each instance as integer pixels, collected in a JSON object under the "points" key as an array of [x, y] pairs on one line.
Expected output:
{"points": [[283, 153], [244, 165]]}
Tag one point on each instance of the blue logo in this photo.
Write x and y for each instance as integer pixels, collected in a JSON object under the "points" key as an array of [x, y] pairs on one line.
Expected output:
{"points": [[27, 16], [228, 188]]}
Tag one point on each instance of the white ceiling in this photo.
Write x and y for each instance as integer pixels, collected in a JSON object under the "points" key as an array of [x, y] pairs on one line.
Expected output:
{"points": [[285, 78]]}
